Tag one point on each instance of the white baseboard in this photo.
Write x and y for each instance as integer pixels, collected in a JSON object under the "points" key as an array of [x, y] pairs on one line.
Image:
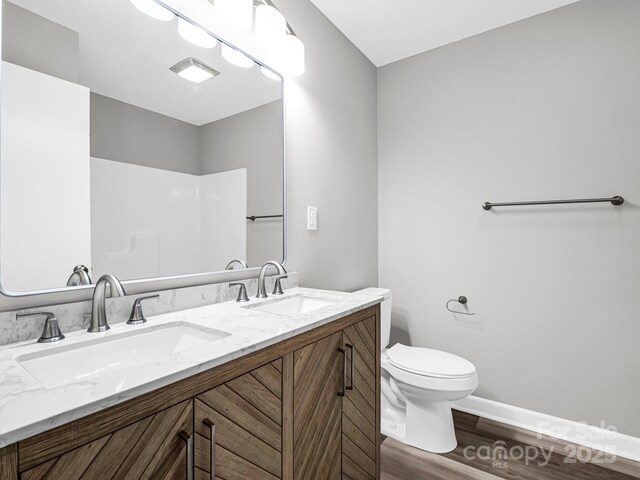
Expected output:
{"points": [[590, 436]]}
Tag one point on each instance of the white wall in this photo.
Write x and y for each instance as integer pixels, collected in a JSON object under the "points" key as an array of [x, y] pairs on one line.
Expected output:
{"points": [[544, 108], [45, 170], [148, 222], [223, 218]]}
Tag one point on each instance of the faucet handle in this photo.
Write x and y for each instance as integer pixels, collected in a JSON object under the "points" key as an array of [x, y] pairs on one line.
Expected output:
{"points": [[51, 331], [242, 293], [137, 315], [277, 286]]}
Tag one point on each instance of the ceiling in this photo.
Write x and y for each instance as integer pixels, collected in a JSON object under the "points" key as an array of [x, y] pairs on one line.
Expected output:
{"points": [[126, 55], [388, 31]]}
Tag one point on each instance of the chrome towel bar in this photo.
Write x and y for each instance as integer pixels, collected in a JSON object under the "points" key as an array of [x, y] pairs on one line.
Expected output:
{"points": [[617, 200]]}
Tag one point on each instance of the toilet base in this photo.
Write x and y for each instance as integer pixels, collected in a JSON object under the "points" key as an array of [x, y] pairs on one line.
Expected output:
{"points": [[430, 427], [416, 409]]}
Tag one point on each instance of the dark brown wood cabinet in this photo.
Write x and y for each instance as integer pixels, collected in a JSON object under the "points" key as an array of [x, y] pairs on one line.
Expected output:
{"points": [[306, 408]]}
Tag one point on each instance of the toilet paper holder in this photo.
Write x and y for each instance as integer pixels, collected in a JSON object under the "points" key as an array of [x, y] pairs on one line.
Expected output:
{"points": [[462, 300]]}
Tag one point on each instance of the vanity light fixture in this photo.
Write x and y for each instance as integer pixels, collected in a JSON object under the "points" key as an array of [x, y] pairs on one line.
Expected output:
{"points": [[272, 33], [237, 13], [285, 49], [194, 70], [195, 35], [270, 28], [154, 10], [235, 57]]}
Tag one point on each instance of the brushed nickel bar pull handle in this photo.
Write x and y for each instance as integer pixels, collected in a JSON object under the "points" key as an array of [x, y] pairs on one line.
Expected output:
{"points": [[188, 440], [212, 457], [344, 372], [350, 347]]}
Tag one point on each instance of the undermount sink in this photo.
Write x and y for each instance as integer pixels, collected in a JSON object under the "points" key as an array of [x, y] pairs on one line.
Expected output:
{"points": [[84, 361], [294, 306]]}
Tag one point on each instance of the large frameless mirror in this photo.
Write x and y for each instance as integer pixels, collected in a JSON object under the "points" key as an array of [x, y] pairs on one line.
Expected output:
{"points": [[142, 148]]}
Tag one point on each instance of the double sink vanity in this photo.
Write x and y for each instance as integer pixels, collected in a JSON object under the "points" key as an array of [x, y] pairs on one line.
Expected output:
{"points": [[287, 387]]}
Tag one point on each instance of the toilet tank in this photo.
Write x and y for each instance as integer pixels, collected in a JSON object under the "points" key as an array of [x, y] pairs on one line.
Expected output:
{"points": [[385, 312]]}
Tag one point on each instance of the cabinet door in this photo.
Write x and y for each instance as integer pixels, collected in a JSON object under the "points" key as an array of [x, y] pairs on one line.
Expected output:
{"points": [[245, 418], [318, 379], [359, 406], [154, 448]]}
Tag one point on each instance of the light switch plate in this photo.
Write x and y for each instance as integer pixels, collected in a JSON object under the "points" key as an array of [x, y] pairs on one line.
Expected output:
{"points": [[312, 218]]}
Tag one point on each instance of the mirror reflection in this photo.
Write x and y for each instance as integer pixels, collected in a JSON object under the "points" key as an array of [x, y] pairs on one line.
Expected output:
{"points": [[131, 146]]}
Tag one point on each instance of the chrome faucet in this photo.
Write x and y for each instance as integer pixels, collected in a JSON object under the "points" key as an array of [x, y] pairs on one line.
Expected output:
{"points": [[80, 276], [262, 289], [230, 265], [98, 321]]}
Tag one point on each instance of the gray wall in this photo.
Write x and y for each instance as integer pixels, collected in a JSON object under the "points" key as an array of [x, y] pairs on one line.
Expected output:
{"points": [[543, 108], [130, 134], [331, 156], [34, 42], [252, 140]]}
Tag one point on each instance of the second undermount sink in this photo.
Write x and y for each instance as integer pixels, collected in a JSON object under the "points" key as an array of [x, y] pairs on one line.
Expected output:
{"points": [[96, 357], [293, 306]]}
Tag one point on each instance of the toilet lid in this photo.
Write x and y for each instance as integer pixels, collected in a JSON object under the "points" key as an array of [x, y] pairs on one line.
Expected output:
{"points": [[429, 362]]}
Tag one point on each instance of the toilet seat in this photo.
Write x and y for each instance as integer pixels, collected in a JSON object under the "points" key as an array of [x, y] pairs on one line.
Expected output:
{"points": [[442, 384], [429, 362]]}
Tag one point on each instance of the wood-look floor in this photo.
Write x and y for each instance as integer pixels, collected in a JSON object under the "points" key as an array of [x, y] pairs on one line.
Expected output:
{"points": [[401, 462]]}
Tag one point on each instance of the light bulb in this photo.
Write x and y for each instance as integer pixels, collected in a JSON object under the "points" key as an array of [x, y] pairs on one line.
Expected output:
{"points": [[237, 13], [289, 59], [195, 35], [270, 28], [235, 57], [154, 10]]}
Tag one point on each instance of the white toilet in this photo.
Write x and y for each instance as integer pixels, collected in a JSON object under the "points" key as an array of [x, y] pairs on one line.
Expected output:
{"points": [[418, 385]]}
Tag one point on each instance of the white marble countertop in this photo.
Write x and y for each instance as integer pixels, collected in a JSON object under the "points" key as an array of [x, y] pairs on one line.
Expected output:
{"points": [[28, 408]]}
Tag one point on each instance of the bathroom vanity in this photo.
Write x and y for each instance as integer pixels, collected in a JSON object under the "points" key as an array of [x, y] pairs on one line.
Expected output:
{"points": [[284, 395]]}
